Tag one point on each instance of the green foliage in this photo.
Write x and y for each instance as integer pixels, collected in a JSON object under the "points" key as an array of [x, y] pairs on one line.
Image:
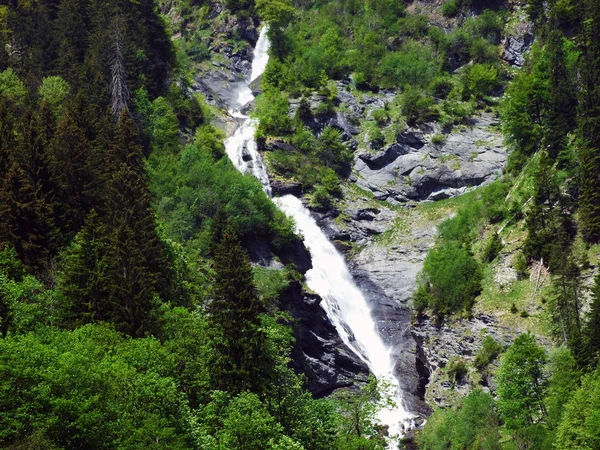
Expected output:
{"points": [[579, 426], [489, 351], [272, 113], [359, 409], [471, 424], [492, 248], [163, 126], [522, 384], [11, 86], [520, 265], [55, 91], [238, 359], [76, 387], [480, 80], [414, 65], [450, 280], [417, 107], [450, 8]]}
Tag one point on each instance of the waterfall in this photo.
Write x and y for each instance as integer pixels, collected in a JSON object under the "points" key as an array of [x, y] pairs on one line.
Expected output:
{"points": [[241, 146], [343, 301]]}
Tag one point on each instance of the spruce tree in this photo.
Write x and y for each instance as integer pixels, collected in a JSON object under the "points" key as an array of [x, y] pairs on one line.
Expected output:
{"points": [[83, 276], [560, 115], [592, 326], [589, 125], [24, 218], [68, 155], [239, 358], [135, 257]]}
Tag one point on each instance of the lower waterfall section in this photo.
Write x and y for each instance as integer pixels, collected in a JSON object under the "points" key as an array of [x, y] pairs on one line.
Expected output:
{"points": [[330, 278]]}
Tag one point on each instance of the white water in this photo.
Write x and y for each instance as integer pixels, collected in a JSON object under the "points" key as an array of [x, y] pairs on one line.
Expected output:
{"points": [[346, 307], [343, 302], [243, 138]]}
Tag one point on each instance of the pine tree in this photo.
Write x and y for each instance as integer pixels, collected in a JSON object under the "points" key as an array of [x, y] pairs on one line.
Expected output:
{"points": [[68, 154], [560, 115], [135, 257], [592, 326], [589, 126], [83, 279], [239, 357]]}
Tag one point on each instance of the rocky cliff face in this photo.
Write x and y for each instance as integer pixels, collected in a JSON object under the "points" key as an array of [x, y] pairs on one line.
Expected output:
{"points": [[385, 234]]}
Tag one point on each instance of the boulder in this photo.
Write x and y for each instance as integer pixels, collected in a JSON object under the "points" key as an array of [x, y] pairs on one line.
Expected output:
{"points": [[515, 49], [281, 188]]}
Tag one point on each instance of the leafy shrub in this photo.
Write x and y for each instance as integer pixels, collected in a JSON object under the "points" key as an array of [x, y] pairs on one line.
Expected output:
{"points": [[380, 116], [520, 265], [450, 280], [414, 65], [272, 112], [417, 107], [441, 86], [471, 424], [450, 8], [489, 351], [331, 150], [456, 370], [479, 80], [492, 248]]}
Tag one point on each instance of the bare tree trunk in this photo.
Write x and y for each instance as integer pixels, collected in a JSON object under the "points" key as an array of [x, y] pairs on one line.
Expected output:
{"points": [[118, 86]]}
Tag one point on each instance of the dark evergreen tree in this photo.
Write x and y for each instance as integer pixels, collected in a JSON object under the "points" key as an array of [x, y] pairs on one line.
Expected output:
{"points": [[83, 279], [548, 231], [24, 218], [68, 156], [592, 326], [560, 113], [239, 359], [135, 258], [589, 125]]}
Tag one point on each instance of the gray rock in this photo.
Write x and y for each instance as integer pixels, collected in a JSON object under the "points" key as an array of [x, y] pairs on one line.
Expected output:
{"points": [[246, 156], [415, 169], [515, 49], [382, 158]]}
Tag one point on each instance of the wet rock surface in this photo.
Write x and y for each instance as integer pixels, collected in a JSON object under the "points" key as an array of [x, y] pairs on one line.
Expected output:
{"points": [[319, 352]]}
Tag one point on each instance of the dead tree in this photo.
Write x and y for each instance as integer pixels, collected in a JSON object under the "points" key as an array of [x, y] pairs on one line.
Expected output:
{"points": [[118, 75]]}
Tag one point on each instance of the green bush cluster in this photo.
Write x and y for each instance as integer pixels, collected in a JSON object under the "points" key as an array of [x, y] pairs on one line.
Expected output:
{"points": [[451, 276]]}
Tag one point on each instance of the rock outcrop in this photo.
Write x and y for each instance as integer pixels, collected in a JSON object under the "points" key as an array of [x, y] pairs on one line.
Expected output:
{"points": [[416, 167]]}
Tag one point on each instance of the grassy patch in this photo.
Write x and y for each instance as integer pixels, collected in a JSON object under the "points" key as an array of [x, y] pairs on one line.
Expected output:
{"points": [[499, 301], [269, 282]]}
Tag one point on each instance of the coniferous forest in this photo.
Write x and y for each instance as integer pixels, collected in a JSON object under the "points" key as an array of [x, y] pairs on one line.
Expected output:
{"points": [[134, 312]]}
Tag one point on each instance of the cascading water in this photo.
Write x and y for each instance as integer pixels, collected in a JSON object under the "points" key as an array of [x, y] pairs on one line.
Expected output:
{"points": [[344, 303], [241, 146]]}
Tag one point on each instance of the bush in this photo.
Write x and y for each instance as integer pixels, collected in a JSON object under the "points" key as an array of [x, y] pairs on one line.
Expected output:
{"points": [[489, 351], [471, 424], [492, 248], [272, 112], [441, 86], [417, 107], [456, 370], [520, 265], [380, 116], [450, 8], [479, 80], [450, 280], [414, 65]]}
